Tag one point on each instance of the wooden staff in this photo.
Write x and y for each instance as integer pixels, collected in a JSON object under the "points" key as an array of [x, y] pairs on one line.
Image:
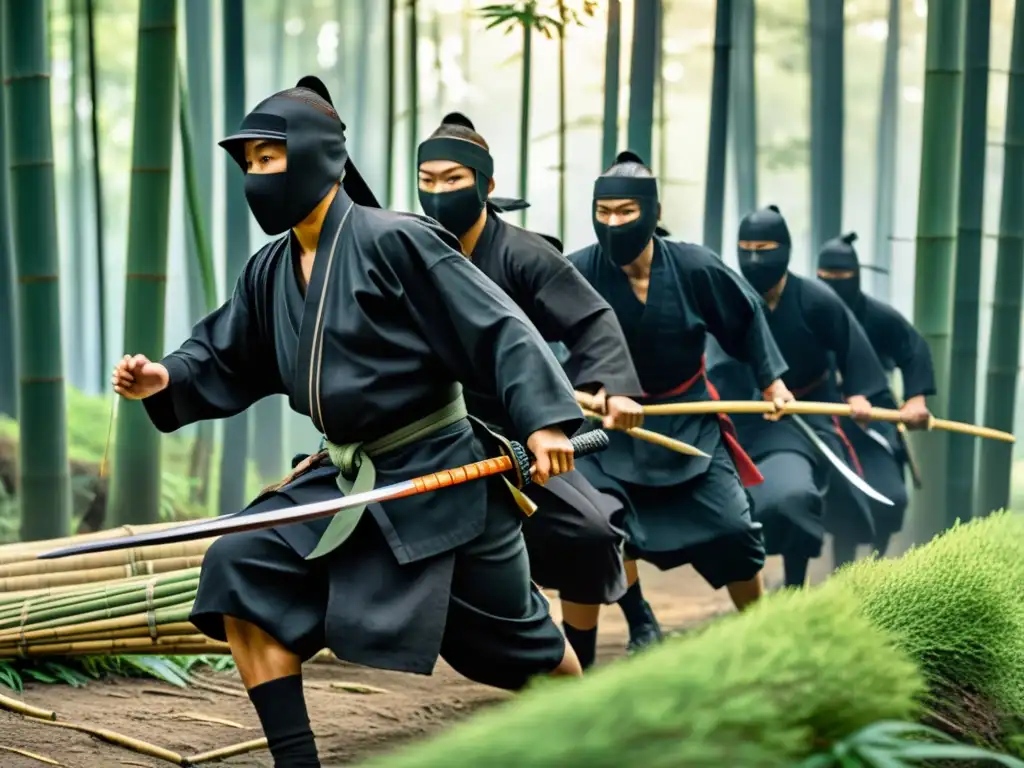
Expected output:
{"points": [[588, 404], [817, 409]]}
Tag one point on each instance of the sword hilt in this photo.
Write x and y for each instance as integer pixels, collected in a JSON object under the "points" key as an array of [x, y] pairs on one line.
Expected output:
{"points": [[519, 462]]}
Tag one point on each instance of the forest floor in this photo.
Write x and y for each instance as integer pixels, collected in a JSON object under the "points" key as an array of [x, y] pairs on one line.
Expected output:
{"points": [[349, 726]]}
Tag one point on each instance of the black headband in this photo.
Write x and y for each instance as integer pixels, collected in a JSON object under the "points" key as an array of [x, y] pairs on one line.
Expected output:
{"points": [[459, 151], [625, 187]]}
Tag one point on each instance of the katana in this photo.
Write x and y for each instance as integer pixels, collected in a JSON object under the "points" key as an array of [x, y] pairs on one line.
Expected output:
{"points": [[516, 460], [852, 477]]}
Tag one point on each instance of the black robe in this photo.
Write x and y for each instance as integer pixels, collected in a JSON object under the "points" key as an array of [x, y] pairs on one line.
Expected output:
{"points": [[817, 336], [574, 538], [403, 317], [880, 447], [692, 295]]}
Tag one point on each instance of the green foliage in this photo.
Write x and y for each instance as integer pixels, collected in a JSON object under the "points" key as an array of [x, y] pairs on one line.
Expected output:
{"points": [[527, 13], [76, 671], [890, 744], [761, 688], [955, 605]]}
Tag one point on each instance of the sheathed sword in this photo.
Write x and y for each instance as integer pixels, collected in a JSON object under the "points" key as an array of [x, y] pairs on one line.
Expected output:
{"points": [[852, 477], [516, 460]]}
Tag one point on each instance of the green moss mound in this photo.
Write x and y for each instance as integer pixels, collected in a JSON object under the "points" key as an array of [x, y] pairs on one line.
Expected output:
{"points": [[956, 606], [762, 688]]}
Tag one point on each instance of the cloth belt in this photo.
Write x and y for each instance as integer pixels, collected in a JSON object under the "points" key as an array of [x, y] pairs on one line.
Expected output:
{"points": [[357, 474]]}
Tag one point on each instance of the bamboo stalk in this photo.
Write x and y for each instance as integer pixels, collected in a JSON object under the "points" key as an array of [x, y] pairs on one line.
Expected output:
{"points": [[180, 645], [177, 631], [54, 593], [81, 594], [13, 705], [27, 550], [141, 628], [107, 611], [135, 745], [150, 567], [231, 751], [115, 558]]}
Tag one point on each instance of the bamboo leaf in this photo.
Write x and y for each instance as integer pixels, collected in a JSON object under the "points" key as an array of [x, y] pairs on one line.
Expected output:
{"points": [[879, 758], [922, 752], [41, 676], [195, 212]]}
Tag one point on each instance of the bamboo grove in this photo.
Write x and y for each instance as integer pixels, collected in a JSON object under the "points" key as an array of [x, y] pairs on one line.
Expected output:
{"points": [[190, 76]]}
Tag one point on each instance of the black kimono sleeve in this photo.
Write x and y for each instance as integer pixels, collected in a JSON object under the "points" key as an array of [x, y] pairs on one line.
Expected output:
{"points": [[900, 341], [566, 308], [225, 366], [478, 331], [735, 316], [839, 332]]}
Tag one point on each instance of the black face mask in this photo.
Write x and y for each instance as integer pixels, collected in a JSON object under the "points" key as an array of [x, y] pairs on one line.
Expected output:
{"points": [[623, 244], [315, 139], [838, 255], [456, 211], [764, 268]]}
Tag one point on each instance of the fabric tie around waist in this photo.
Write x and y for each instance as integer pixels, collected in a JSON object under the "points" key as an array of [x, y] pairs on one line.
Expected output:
{"points": [[357, 474], [745, 466]]}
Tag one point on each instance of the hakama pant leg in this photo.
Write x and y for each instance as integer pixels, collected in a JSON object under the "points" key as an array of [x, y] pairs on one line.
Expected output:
{"points": [[704, 521], [499, 630], [574, 540], [790, 505]]}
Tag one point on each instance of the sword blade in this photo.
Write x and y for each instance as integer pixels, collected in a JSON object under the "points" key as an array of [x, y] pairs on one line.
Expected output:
{"points": [[583, 445], [875, 435], [852, 477], [238, 522]]}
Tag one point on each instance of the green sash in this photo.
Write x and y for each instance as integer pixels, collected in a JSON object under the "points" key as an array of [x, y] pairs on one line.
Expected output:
{"points": [[358, 475]]}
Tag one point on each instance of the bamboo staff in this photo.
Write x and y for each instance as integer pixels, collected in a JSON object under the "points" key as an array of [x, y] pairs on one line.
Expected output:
{"points": [[588, 404], [815, 409], [653, 437], [59, 635]]}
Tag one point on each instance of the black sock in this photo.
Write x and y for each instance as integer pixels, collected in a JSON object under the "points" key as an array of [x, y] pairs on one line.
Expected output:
{"points": [[795, 568], [282, 711], [634, 607], [584, 642]]}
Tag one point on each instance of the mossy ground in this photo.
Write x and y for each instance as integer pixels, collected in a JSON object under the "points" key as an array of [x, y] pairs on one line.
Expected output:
{"points": [[937, 634]]}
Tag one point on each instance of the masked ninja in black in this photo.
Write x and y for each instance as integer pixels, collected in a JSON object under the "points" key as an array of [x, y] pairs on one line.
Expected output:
{"points": [[811, 327], [572, 541], [367, 320], [880, 446], [670, 298]]}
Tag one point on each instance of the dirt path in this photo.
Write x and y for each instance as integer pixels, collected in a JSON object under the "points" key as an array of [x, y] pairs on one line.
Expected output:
{"points": [[349, 726]]}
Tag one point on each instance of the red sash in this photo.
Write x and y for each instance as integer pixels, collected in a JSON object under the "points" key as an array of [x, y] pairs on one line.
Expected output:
{"points": [[802, 392], [745, 466]]}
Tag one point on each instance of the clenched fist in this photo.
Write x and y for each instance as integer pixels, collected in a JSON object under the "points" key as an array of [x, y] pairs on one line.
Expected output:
{"points": [[552, 453], [136, 377]]}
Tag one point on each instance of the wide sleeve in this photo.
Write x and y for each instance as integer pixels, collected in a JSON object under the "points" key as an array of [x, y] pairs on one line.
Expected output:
{"points": [[566, 308], [735, 316], [226, 365], [840, 333], [900, 341], [479, 332]]}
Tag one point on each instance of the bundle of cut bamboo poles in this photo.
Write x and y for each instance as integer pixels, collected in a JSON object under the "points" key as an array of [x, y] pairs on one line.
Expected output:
{"points": [[120, 602]]}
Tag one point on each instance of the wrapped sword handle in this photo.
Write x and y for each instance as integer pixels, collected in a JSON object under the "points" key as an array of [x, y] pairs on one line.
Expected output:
{"points": [[519, 462]]}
